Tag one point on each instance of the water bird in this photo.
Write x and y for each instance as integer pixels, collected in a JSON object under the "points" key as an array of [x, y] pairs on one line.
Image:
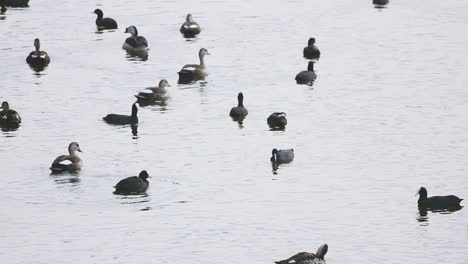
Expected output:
{"points": [[282, 156], [38, 57], [311, 51], [70, 162], [305, 77], [239, 112], [16, 3], [307, 258], [437, 202], [190, 28], [135, 43], [3, 9], [9, 116], [380, 2], [150, 94], [123, 119], [277, 120], [104, 22], [191, 72], [133, 185]]}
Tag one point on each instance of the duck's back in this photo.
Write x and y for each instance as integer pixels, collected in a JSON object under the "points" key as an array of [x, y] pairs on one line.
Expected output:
{"points": [[442, 201], [10, 117], [131, 185], [285, 155], [119, 119], [306, 76], [311, 52], [106, 23]]}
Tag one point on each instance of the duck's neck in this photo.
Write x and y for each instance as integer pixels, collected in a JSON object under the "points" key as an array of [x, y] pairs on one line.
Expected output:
{"points": [[100, 16], [73, 152], [240, 102], [202, 60]]}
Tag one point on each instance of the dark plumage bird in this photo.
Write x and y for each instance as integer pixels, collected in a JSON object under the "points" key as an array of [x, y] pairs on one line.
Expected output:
{"points": [[133, 185], [104, 22], [38, 57], [190, 28], [437, 202], [282, 156], [9, 116], [16, 3], [239, 112], [3, 9], [311, 51], [123, 119], [307, 258], [277, 120], [192, 72], [70, 162], [306, 77], [135, 43], [380, 2]]}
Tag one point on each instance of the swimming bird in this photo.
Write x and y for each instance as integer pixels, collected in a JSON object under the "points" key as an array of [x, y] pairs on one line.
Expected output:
{"points": [[135, 43], [305, 77], [307, 258], [190, 28], [277, 120], [311, 51], [123, 119], [133, 185], [104, 22], [282, 156], [192, 72], [239, 112], [17, 3], [380, 2], [154, 93], [60, 165], [38, 57], [9, 116], [437, 202]]}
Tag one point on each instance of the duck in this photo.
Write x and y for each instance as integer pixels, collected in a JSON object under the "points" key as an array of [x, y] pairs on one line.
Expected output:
{"points": [[311, 51], [135, 43], [154, 93], [277, 120], [58, 164], [38, 57], [194, 71], [133, 185], [307, 258], [308, 76], [437, 202], [9, 116], [17, 3], [3, 9], [190, 28], [380, 2], [104, 22], [239, 112], [282, 156], [123, 119]]}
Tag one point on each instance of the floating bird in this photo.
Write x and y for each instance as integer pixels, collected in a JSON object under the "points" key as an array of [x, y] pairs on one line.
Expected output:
{"points": [[437, 202], [282, 156], [59, 164], [380, 2], [133, 185], [277, 120], [104, 22], [135, 43], [306, 77], [311, 51], [158, 93], [239, 112], [307, 258], [191, 72], [38, 57], [190, 28], [9, 116], [123, 119], [16, 3]]}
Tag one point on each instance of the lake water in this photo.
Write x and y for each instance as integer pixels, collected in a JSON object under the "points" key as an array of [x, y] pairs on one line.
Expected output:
{"points": [[386, 115]]}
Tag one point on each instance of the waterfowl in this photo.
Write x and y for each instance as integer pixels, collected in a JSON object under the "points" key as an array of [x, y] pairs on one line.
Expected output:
{"points": [[17, 3], [133, 185], [282, 156], [380, 2], [190, 28], [308, 76], [123, 119], [194, 71], [154, 93], [277, 120], [239, 111], [307, 258], [38, 57], [3, 9], [311, 51], [134, 43], [104, 22], [60, 165], [437, 202], [9, 116]]}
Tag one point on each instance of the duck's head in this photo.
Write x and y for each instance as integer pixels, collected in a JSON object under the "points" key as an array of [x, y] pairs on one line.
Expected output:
{"points": [[99, 13], [311, 41], [203, 52], [310, 67], [321, 251], [144, 175], [73, 147], [240, 99], [422, 193], [132, 30], [5, 106], [163, 83], [37, 44], [189, 18]]}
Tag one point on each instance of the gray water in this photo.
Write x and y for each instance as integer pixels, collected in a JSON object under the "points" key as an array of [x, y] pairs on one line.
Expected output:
{"points": [[386, 115]]}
